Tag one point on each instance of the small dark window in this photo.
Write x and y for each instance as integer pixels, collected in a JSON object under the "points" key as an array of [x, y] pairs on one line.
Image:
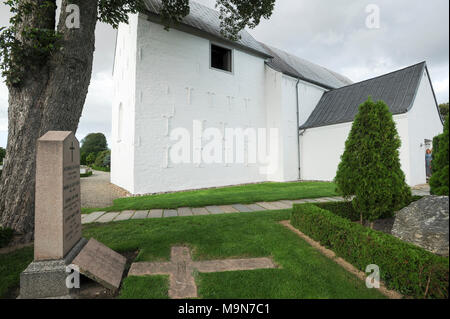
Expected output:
{"points": [[221, 58]]}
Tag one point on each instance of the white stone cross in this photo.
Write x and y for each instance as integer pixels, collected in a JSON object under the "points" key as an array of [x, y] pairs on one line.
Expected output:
{"points": [[181, 268]]}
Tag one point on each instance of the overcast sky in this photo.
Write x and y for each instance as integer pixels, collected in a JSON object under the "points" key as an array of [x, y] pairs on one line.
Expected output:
{"points": [[331, 33]]}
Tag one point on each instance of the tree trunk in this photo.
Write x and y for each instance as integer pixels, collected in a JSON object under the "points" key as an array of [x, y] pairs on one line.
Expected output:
{"points": [[51, 99]]}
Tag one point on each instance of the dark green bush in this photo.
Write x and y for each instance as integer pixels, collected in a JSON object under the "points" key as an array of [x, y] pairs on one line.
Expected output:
{"points": [[6, 235], [370, 166], [404, 267], [439, 181], [100, 160], [86, 174]]}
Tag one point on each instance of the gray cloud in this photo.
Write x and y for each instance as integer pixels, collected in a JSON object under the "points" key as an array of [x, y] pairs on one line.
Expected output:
{"points": [[331, 33]]}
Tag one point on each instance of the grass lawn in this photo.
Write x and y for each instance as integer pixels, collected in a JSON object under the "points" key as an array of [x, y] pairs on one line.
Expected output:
{"points": [[303, 272], [11, 265], [243, 194]]}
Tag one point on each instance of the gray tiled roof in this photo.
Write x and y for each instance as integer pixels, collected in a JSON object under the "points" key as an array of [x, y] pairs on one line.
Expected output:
{"points": [[207, 20], [300, 68], [396, 89]]}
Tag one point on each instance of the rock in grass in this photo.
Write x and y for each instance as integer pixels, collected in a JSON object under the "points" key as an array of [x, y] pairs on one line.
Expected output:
{"points": [[425, 223]]}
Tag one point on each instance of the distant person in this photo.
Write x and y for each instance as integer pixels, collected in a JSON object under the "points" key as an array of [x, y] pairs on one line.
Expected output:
{"points": [[428, 159]]}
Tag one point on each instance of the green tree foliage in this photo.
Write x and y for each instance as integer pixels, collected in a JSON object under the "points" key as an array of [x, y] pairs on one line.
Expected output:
{"points": [[26, 48], [90, 159], [93, 143], [443, 108], [2, 154], [100, 160], [439, 181], [370, 166]]}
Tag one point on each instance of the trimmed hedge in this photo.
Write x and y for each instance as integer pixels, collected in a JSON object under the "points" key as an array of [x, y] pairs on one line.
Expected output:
{"points": [[347, 211], [404, 267], [6, 235]]}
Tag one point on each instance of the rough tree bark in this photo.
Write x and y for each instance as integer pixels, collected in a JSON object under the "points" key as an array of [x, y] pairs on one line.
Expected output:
{"points": [[50, 99]]}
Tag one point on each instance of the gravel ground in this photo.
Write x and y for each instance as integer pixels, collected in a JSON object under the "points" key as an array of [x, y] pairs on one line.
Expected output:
{"points": [[97, 191]]}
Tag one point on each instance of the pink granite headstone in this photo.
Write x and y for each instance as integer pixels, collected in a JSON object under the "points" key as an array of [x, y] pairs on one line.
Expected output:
{"points": [[57, 208]]}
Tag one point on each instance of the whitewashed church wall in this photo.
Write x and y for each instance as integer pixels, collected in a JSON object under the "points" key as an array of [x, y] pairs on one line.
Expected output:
{"points": [[321, 149], [273, 97], [424, 124], [175, 86], [309, 96], [123, 114], [289, 130]]}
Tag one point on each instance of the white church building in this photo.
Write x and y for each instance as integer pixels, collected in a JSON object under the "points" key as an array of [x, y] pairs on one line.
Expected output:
{"points": [[191, 79]]}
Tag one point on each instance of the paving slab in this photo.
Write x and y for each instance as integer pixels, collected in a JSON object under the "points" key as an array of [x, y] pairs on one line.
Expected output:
{"points": [[185, 211], [282, 205], [106, 218], [227, 209], [155, 213], [288, 202], [242, 208], [125, 215], [300, 201], [256, 208], [200, 211], [322, 200], [268, 206], [170, 213], [140, 214], [89, 218], [215, 210]]}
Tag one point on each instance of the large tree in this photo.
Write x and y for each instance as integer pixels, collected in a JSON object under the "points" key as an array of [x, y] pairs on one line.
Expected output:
{"points": [[48, 70]]}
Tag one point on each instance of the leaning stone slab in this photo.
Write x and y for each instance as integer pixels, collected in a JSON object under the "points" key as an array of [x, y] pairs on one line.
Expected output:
{"points": [[47, 278], [425, 223], [101, 264]]}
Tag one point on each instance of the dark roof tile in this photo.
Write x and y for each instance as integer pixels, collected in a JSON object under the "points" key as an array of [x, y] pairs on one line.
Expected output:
{"points": [[397, 89]]}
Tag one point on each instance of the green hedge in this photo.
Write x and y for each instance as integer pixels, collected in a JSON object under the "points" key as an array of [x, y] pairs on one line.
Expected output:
{"points": [[6, 235], [100, 168], [346, 210], [403, 266], [86, 174]]}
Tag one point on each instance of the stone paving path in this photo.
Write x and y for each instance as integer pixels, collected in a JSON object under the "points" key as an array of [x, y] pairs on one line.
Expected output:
{"points": [[181, 270], [106, 217]]}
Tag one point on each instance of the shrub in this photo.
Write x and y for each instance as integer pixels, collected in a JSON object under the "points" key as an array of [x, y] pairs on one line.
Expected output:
{"points": [[404, 267], [86, 174], [370, 166], [100, 160], [90, 159], [6, 235], [347, 211], [439, 181]]}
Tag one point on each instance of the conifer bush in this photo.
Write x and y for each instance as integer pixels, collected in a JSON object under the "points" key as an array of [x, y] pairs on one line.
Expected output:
{"points": [[370, 166], [440, 178]]}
